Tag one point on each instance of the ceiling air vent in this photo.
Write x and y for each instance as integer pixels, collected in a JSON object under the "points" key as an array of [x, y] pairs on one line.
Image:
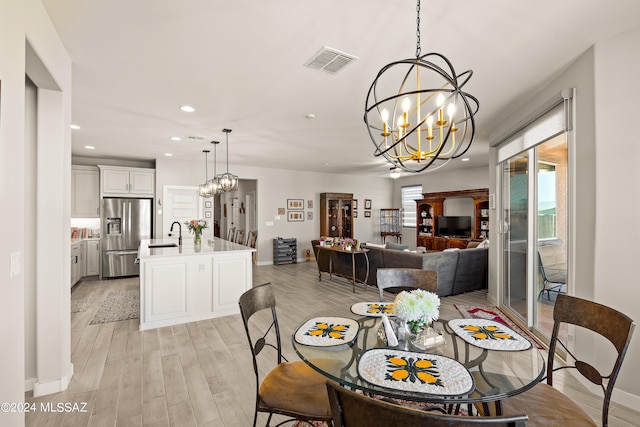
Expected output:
{"points": [[330, 60], [195, 138]]}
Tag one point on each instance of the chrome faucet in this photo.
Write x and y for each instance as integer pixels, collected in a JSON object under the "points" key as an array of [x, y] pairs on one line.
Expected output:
{"points": [[180, 228]]}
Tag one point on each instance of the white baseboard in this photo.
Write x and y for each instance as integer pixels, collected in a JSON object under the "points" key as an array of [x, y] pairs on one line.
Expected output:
{"points": [[29, 383], [55, 386]]}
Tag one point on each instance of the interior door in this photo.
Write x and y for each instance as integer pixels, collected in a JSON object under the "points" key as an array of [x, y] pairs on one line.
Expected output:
{"points": [[181, 203]]}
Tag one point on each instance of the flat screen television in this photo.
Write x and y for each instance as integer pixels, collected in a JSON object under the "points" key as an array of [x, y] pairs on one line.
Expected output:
{"points": [[454, 226]]}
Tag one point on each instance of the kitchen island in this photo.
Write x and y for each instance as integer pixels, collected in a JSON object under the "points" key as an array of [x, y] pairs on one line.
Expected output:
{"points": [[181, 284]]}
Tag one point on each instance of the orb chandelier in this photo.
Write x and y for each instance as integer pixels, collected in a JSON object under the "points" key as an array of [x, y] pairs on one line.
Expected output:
{"points": [[428, 120], [228, 182]]}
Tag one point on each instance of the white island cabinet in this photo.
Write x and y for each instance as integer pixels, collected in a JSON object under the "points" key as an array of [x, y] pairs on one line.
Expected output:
{"points": [[181, 285]]}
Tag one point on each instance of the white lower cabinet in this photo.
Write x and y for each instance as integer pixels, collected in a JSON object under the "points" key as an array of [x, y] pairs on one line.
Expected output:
{"points": [[93, 257], [188, 289], [78, 265]]}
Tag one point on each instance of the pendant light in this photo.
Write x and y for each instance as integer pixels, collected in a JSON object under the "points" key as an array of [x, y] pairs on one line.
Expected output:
{"points": [[228, 181], [214, 183], [429, 120], [204, 188]]}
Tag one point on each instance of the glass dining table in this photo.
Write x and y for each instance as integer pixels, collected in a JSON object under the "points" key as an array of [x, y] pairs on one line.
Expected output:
{"points": [[479, 361]]}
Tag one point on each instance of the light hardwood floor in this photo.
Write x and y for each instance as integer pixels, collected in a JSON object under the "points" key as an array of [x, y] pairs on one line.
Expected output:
{"points": [[200, 374]]}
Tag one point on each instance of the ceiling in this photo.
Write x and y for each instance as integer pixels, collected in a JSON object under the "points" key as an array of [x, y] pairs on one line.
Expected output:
{"points": [[240, 64]]}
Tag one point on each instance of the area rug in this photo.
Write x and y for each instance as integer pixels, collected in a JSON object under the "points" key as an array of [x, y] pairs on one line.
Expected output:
{"points": [[118, 305], [495, 314], [81, 305]]}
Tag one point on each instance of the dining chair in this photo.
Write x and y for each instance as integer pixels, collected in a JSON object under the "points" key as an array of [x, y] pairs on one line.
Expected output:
{"points": [[352, 409], [239, 238], [546, 405], [231, 233], [400, 279], [292, 389]]}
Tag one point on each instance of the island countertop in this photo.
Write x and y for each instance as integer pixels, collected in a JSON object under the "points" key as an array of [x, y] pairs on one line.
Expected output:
{"points": [[214, 246]]}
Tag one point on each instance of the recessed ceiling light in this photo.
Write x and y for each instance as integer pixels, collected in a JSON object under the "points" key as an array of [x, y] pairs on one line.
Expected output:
{"points": [[187, 108], [89, 147], [75, 127], [466, 159], [327, 164], [311, 116], [168, 154], [175, 138]]}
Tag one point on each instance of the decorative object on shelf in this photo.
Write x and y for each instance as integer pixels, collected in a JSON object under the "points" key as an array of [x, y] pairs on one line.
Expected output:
{"points": [[294, 216], [417, 308], [228, 181], [420, 136], [348, 243], [295, 204], [367, 214], [196, 226], [367, 203]]}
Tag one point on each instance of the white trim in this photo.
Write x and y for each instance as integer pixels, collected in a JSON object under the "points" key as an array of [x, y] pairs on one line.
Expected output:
{"points": [[55, 386]]}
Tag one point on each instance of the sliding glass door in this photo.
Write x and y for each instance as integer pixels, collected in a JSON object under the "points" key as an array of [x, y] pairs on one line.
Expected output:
{"points": [[533, 214], [534, 239]]}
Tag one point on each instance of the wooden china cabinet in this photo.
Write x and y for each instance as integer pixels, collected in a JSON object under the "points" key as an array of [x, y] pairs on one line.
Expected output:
{"points": [[431, 206], [336, 215]]}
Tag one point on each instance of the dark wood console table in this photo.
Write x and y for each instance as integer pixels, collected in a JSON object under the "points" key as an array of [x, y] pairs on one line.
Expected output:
{"points": [[331, 250]]}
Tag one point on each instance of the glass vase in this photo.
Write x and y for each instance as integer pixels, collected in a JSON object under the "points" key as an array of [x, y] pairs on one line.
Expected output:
{"points": [[197, 242], [414, 327]]}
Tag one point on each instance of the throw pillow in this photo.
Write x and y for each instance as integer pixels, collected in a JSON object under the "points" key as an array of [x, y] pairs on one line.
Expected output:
{"points": [[484, 244]]}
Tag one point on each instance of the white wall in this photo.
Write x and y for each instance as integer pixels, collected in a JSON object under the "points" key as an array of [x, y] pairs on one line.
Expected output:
{"points": [[25, 22], [617, 151], [463, 178], [605, 175], [275, 186]]}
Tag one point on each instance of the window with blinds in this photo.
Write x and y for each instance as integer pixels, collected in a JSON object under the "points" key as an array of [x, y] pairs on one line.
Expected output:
{"points": [[409, 196]]}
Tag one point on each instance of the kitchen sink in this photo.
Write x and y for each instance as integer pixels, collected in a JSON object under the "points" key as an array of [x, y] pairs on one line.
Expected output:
{"points": [[163, 245]]}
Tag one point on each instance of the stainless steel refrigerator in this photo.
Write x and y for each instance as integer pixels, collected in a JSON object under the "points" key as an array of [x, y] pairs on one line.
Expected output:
{"points": [[124, 223]]}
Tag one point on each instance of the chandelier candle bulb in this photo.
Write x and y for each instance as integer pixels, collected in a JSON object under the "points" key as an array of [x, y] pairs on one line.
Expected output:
{"points": [[430, 127], [406, 104]]}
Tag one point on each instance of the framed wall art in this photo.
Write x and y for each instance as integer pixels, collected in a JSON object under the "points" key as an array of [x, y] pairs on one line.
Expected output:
{"points": [[207, 204], [207, 214], [367, 214], [367, 205], [355, 214], [355, 204], [295, 204], [309, 204], [280, 211], [294, 216], [309, 216]]}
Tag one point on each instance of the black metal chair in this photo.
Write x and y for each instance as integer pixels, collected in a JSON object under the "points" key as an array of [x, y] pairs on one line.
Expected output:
{"points": [[292, 389], [351, 409], [546, 405], [401, 279]]}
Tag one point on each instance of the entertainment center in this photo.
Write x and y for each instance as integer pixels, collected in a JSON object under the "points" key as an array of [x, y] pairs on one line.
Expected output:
{"points": [[437, 231]]}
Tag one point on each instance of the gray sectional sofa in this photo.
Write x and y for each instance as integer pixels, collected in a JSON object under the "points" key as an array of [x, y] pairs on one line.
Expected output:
{"points": [[458, 271]]}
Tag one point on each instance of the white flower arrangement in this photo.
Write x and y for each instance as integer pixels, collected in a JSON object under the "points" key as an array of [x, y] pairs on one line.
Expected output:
{"points": [[418, 308]]}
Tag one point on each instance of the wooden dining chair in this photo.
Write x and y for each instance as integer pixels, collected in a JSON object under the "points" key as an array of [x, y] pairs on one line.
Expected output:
{"points": [[401, 279], [351, 409], [292, 389], [546, 405]]}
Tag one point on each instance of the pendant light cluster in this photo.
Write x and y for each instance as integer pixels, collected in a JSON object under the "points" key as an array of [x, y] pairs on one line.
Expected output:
{"points": [[429, 120], [223, 183]]}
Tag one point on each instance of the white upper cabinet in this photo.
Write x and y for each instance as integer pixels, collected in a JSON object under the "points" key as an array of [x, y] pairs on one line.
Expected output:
{"points": [[128, 182], [85, 192]]}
